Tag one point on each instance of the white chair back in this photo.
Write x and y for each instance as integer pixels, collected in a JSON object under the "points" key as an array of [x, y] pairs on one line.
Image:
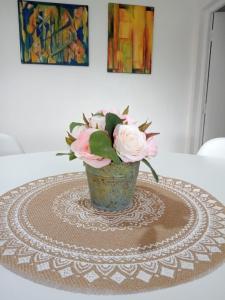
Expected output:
{"points": [[214, 148], [9, 145]]}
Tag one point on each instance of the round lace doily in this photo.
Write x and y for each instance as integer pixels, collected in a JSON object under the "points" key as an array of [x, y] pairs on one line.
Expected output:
{"points": [[50, 233]]}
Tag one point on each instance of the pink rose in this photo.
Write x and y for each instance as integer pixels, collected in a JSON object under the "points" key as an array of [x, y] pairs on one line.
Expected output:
{"points": [[130, 143], [81, 149]]}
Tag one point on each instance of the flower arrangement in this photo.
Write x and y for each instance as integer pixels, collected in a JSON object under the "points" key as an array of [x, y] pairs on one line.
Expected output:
{"points": [[111, 137]]}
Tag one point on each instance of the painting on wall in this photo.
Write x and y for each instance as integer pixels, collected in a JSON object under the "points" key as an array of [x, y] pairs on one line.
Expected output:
{"points": [[130, 38], [53, 33]]}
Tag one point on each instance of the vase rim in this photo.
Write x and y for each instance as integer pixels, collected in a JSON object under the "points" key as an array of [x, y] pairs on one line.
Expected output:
{"points": [[112, 164]]}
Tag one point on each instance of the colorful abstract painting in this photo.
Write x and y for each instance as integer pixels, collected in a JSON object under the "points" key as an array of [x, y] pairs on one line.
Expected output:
{"points": [[130, 36], [53, 33]]}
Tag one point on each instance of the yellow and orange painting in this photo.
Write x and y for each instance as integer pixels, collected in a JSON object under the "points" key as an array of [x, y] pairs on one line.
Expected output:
{"points": [[130, 38], [53, 33]]}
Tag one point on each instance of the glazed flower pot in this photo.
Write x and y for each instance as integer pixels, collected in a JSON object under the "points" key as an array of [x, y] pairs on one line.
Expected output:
{"points": [[112, 187]]}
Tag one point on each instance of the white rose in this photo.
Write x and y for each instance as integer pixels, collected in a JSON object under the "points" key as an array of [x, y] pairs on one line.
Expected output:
{"points": [[97, 122], [130, 143]]}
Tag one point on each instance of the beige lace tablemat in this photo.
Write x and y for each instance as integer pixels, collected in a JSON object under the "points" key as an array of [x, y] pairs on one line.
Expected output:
{"points": [[49, 233]]}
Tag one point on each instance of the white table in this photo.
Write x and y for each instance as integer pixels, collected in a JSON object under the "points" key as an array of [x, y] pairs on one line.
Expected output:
{"points": [[208, 173]]}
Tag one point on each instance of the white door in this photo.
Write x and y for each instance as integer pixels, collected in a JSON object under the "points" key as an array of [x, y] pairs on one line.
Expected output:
{"points": [[214, 119]]}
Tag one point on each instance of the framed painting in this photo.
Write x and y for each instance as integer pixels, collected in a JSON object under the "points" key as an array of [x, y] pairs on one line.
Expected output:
{"points": [[130, 38], [53, 33]]}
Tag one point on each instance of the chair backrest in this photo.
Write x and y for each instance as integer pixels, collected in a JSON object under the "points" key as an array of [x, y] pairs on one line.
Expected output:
{"points": [[9, 145], [214, 148]]}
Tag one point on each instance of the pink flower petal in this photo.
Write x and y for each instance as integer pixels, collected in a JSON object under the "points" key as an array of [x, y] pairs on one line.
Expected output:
{"points": [[81, 149], [152, 148]]}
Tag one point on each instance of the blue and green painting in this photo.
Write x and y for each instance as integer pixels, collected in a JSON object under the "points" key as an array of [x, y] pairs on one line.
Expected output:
{"points": [[53, 33]]}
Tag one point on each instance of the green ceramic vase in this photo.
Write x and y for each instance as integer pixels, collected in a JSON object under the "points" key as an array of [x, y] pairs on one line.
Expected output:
{"points": [[112, 187]]}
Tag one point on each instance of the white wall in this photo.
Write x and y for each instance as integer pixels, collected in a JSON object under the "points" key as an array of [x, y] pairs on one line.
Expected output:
{"points": [[37, 102]]}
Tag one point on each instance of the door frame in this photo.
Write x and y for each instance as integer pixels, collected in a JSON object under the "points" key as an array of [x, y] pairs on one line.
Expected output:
{"points": [[200, 77]]}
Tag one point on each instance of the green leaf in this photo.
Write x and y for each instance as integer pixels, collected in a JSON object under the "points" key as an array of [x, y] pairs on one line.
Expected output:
{"points": [[73, 125], [144, 126], [85, 120], [111, 121], [69, 139], [70, 154], [126, 110], [101, 145], [152, 170], [149, 135]]}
